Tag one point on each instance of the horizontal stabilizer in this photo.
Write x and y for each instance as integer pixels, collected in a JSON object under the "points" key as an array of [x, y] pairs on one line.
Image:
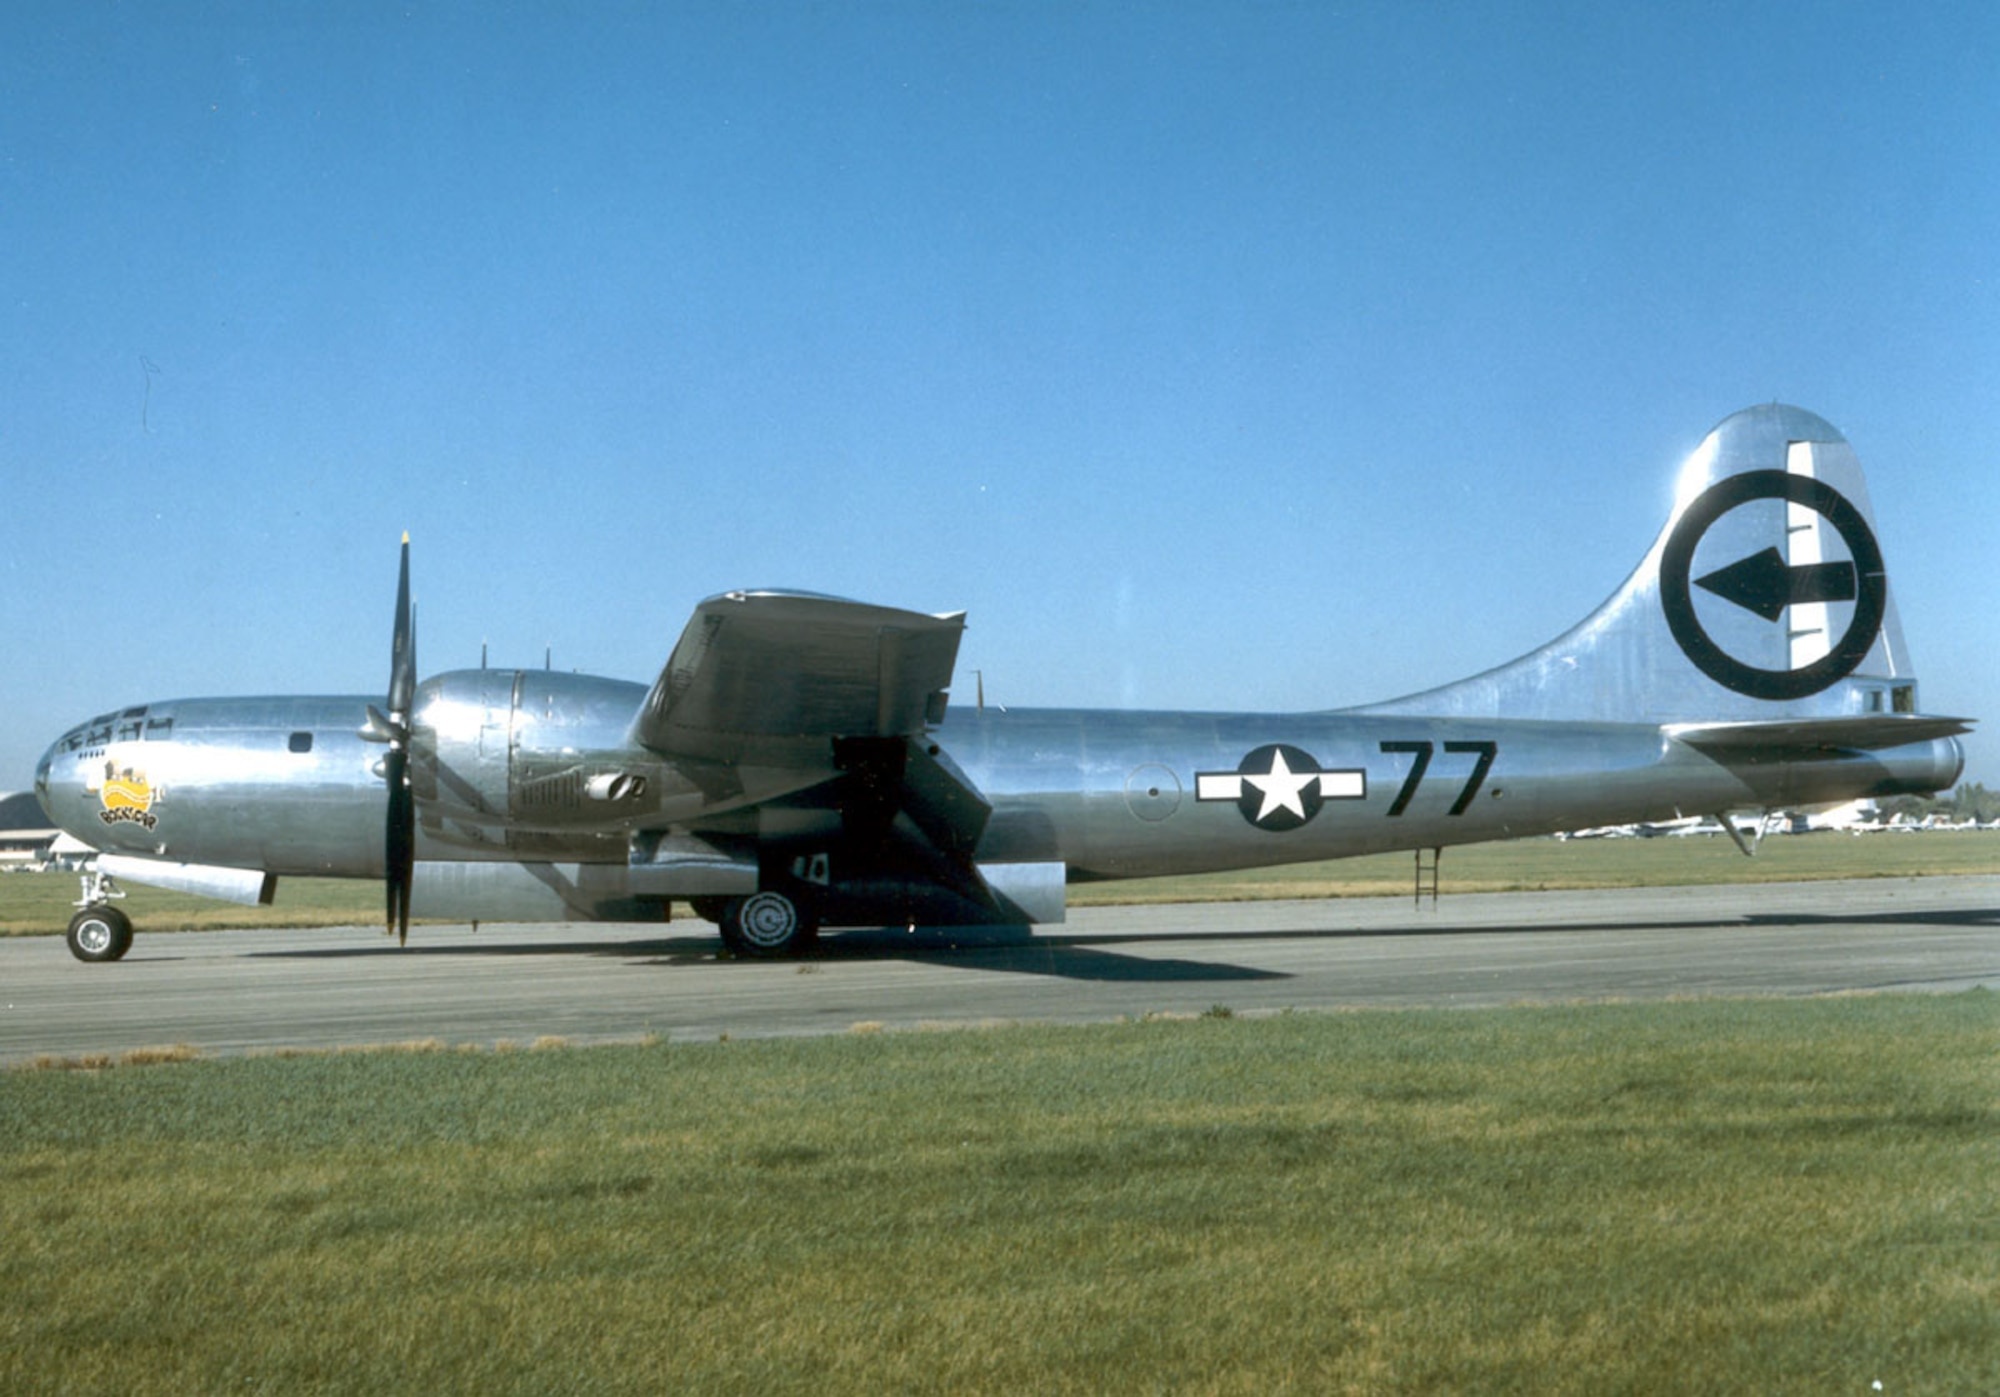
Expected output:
{"points": [[1872, 732]]}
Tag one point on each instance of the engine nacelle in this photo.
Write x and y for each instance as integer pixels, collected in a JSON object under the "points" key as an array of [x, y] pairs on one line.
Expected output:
{"points": [[503, 758], [462, 746], [505, 891]]}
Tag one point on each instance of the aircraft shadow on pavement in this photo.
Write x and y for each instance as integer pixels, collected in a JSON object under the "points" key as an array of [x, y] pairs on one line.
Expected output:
{"points": [[1016, 951], [1085, 955], [1010, 950], [1965, 917], [1943, 917]]}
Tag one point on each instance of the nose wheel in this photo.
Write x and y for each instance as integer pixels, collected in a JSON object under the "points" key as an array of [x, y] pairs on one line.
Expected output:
{"points": [[99, 934], [99, 931]]}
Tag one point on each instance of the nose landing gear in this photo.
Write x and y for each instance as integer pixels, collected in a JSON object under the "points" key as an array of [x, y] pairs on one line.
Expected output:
{"points": [[99, 931]]}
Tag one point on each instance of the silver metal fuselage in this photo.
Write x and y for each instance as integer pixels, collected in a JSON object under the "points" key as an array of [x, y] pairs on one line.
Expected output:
{"points": [[526, 765]]}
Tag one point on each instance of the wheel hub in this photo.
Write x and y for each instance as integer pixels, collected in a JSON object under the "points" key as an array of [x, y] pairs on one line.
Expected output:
{"points": [[768, 920]]}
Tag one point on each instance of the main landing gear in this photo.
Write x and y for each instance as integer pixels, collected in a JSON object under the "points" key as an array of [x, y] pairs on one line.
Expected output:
{"points": [[99, 931], [764, 925]]}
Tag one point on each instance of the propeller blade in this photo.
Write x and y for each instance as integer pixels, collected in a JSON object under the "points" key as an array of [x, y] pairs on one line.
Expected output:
{"points": [[403, 652], [399, 848]]}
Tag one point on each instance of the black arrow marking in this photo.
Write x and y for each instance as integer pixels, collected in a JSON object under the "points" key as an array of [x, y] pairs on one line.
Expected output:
{"points": [[1869, 587], [1766, 584]]}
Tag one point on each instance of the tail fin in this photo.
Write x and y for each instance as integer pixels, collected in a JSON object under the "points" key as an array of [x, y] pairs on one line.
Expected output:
{"points": [[1764, 598]]}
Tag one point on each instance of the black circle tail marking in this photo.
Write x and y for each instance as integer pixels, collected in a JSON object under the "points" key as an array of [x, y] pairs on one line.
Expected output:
{"points": [[1754, 584]]}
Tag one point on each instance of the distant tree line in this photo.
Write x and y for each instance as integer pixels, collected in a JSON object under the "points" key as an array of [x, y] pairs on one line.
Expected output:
{"points": [[1971, 801]]}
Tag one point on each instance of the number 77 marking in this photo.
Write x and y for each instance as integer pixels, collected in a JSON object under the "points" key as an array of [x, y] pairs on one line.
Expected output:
{"points": [[1487, 751]]}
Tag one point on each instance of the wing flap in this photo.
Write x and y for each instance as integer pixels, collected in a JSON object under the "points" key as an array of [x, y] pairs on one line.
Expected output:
{"points": [[753, 667]]}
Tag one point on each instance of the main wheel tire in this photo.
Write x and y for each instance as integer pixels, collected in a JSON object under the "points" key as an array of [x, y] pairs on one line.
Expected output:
{"points": [[766, 925], [99, 934]]}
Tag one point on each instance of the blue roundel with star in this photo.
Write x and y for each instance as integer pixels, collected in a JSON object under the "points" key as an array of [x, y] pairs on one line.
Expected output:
{"points": [[1279, 787]]}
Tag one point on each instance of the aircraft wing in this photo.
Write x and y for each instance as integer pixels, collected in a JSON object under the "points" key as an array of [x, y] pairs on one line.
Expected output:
{"points": [[1871, 732], [755, 669], [800, 683]]}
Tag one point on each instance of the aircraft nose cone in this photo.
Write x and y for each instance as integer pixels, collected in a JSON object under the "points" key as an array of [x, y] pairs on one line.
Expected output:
{"points": [[59, 784], [42, 770]]}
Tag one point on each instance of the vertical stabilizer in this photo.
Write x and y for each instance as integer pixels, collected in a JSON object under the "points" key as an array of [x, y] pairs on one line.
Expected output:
{"points": [[1764, 597]]}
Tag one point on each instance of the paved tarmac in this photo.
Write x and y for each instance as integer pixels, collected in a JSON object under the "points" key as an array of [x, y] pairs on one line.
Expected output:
{"points": [[243, 991]]}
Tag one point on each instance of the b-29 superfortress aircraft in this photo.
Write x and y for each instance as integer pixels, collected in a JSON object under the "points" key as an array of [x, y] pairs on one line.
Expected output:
{"points": [[794, 766]]}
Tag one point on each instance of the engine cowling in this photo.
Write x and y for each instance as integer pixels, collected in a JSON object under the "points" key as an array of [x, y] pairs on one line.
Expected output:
{"points": [[531, 759]]}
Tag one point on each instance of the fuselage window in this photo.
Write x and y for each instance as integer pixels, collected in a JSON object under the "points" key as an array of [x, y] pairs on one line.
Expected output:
{"points": [[302, 742]]}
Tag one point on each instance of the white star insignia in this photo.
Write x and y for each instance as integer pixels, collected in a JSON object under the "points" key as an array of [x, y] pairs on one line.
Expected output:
{"points": [[1281, 787]]}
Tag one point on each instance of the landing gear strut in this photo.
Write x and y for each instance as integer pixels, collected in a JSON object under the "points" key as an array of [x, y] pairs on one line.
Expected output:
{"points": [[99, 931]]}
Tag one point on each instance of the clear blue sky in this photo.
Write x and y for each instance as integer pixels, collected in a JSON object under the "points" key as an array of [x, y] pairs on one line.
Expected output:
{"points": [[1213, 356]]}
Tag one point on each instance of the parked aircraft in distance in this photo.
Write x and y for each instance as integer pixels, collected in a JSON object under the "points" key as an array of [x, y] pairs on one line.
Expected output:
{"points": [[794, 766]]}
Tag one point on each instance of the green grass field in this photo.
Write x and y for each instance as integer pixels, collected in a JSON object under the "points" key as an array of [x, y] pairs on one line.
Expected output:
{"points": [[1795, 1196], [32, 904]]}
